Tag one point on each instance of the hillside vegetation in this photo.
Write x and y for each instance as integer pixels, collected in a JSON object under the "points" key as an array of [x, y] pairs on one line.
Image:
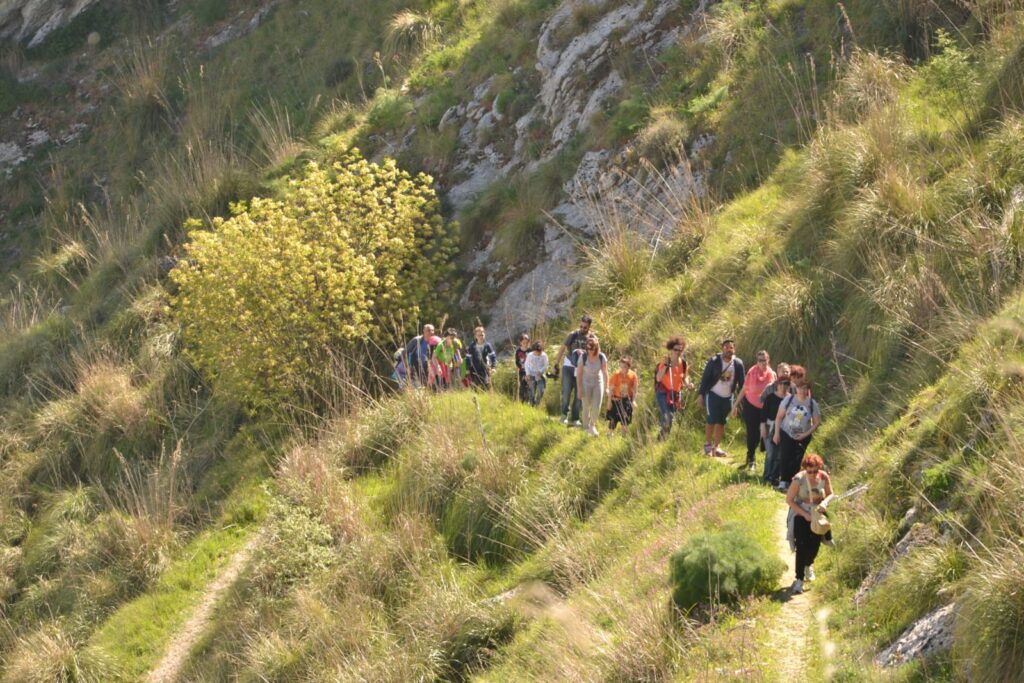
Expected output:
{"points": [[862, 213]]}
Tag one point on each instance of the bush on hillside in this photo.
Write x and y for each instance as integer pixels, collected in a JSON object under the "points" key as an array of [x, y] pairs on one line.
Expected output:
{"points": [[268, 297], [722, 566]]}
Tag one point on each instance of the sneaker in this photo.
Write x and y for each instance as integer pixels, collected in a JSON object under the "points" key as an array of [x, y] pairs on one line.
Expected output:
{"points": [[829, 542], [577, 423], [707, 449], [565, 421], [809, 575], [751, 466], [797, 587], [782, 486], [593, 431], [720, 453]]}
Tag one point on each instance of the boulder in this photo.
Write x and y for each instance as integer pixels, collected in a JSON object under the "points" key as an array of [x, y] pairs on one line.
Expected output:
{"points": [[929, 635]]}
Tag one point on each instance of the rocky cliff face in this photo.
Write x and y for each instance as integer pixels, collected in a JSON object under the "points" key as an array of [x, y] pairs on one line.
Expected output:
{"points": [[578, 79], [30, 21]]}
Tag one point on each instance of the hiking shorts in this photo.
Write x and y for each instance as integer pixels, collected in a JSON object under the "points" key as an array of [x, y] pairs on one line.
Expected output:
{"points": [[717, 408]]}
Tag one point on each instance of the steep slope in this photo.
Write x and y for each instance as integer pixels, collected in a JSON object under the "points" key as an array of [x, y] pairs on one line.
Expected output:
{"points": [[838, 184]]}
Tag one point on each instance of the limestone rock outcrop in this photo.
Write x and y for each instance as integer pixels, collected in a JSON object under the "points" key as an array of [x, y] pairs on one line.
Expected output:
{"points": [[31, 21]]}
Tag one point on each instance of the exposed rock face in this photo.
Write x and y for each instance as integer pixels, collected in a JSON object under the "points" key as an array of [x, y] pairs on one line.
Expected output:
{"points": [[31, 21], [929, 635], [577, 80]]}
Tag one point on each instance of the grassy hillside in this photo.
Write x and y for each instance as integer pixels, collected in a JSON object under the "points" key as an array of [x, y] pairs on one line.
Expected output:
{"points": [[867, 181]]}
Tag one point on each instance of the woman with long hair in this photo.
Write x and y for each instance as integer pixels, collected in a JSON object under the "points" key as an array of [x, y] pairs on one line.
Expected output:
{"points": [[591, 379]]}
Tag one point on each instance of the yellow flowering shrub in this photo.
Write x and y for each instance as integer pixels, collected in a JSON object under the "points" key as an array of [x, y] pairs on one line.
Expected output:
{"points": [[266, 295]]}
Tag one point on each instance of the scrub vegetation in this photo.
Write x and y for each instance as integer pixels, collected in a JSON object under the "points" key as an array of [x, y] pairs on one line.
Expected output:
{"points": [[865, 218]]}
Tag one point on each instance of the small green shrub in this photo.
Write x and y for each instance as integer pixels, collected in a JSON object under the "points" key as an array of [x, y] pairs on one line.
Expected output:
{"points": [[725, 566], [389, 111], [630, 116]]}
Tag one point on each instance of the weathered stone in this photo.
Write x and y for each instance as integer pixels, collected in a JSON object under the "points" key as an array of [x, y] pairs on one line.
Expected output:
{"points": [[32, 21], [929, 635]]}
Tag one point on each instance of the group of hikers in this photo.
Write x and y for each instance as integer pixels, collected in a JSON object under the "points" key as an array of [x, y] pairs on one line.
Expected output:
{"points": [[776, 405]]}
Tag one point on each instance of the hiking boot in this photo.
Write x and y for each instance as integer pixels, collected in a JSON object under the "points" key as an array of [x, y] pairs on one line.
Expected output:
{"points": [[797, 588], [707, 449], [809, 574]]}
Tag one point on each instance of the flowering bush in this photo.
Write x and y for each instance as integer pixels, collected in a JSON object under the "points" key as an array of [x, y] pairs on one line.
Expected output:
{"points": [[266, 296]]}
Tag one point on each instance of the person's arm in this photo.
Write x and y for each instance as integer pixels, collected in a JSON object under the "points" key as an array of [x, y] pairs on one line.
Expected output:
{"points": [[604, 370], [705, 381], [794, 489], [663, 367], [634, 388], [828, 486], [562, 350], [492, 358], [778, 424], [741, 375]]}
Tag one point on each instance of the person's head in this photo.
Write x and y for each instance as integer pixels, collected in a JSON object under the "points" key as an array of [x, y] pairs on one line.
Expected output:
{"points": [[428, 331], [524, 341], [782, 370], [803, 390], [782, 387], [537, 347], [728, 348], [812, 462], [763, 359], [593, 344], [676, 346], [625, 363], [479, 333], [451, 334], [797, 374], [585, 323]]}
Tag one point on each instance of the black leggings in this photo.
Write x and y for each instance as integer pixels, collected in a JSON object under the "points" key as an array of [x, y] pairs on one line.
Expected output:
{"points": [[791, 452], [807, 545], [752, 418]]}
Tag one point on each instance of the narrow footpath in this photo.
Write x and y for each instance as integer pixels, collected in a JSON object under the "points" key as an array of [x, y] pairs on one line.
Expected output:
{"points": [[168, 669], [793, 629]]}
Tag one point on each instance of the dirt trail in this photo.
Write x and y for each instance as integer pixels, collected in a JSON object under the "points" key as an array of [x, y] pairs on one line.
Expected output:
{"points": [[791, 631], [168, 669]]}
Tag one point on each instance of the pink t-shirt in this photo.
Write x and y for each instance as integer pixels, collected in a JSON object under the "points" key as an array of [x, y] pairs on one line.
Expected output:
{"points": [[755, 384]]}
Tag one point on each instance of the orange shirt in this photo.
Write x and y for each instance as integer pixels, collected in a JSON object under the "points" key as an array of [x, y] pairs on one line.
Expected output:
{"points": [[673, 379], [623, 384]]}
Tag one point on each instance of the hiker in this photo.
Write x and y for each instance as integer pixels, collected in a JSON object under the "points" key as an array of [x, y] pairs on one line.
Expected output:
{"points": [[522, 350], [437, 374], [780, 390], [809, 488], [480, 359], [417, 356], [449, 354], [574, 341], [795, 422], [723, 377], [398, 363], [591, 379], [622, 388], [670, 378], [797, 375], [758, 378], [782, 371], [535, 365]]}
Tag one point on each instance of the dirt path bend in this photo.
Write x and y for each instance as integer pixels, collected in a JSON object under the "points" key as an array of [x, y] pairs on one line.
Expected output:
{"points": [[168, 669]]}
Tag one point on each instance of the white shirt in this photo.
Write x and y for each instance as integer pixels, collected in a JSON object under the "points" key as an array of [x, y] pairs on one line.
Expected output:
{"points": [[723, 387], [535, 364]]}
